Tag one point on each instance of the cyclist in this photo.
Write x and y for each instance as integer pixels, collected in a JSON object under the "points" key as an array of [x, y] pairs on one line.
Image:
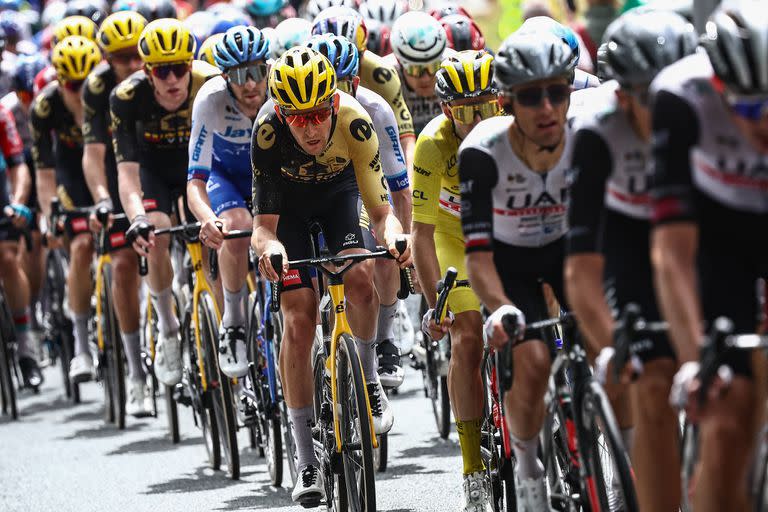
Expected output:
{"points": [[118, 37], [15, 188], [219, 176], [312, 158], [291, 32], [418, 43], [513, 214], [462, 33], [608, 252], [344, 56], [205, 53], [710, 206], [58, 110], [268, 13], [314, 7], [466, 91], [74, 26], [150, 131]]}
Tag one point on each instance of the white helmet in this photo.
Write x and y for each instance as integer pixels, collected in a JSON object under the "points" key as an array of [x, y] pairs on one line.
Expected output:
{"points": [[292, 32], [383, 11], [417, 38], [314, 7]]}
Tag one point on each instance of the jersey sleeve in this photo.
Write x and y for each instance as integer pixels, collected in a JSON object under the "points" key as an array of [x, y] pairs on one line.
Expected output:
{"points": [[363, 144], [95, 105], [675, 133], [478, 176], [122, 106], [265, 161], [427, 180], [590, 168], [201, 138], [383, 79], [10, 140], [41, 130], [392, 159]]}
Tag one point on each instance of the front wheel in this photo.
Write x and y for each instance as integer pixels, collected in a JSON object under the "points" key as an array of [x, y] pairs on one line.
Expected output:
{"points": [[115, 369], [7, 386]]}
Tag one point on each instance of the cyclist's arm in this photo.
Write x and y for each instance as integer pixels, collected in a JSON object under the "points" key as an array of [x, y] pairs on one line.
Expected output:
{"points": [[42, 152], [267, 196], [409, 149], [200, 158], [126, 146], [394, 165], [426, 192], [584, 263], [95, 140], [13, 151], [478, 176], [674, 240], [94, 170]]}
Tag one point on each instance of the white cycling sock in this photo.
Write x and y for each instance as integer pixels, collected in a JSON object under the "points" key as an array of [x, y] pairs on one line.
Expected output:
{"points": [[526, 453], [132, 348], [301, 424], [81, 334], [21, 323], [234, 307], [167, 323], [384, 330], [367, 352]]}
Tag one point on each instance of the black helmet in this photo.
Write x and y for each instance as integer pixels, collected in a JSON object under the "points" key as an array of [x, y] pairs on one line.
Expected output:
{"points": [[523, 58], [93, 9], [155, 9], [639, 44], [736, 40]]}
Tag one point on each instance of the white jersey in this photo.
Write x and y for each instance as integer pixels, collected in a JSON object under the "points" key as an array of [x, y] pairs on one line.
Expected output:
{"points": [[221, 134], [723, 164]]}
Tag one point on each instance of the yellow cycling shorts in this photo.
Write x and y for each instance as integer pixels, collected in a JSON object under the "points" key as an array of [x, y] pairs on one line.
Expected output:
{"points": [[450, 253]]}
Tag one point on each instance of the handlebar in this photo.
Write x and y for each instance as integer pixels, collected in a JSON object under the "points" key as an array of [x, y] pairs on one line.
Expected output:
{"points": [[629, 328], [213, 255], [188, 232], [444, 288]]}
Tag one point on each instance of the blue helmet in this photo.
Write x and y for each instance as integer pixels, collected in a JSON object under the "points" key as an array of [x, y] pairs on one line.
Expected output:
{"points": [[27, 67], [264, 7], [340, 51], [10, 5], [224, 24], [241, 45], [555, 27]]}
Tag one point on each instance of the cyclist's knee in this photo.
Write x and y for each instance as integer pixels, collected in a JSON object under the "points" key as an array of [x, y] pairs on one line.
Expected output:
{"points": [[81, 253], [531, 369], [238, 219], [237, 246], [358, 284], [652, 393], [8, 263], [466, 348], [125, 269]]}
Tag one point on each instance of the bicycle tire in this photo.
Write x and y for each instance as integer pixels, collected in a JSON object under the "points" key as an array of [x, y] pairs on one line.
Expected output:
{"points": [[219, 386], [6, 379], [289, 444], [55, 279], [759, 477], [689, 454], [606, 449], [114, 347], [200, 401], [380, 454], [355, 428]]}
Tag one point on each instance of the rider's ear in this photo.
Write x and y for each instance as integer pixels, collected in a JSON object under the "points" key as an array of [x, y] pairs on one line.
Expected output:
{"points": [[279, 115], [336, 99]]}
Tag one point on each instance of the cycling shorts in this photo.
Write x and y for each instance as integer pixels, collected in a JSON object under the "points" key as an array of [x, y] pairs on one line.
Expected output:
{"points": [[161, 191], [226, 191], [450, 253]]}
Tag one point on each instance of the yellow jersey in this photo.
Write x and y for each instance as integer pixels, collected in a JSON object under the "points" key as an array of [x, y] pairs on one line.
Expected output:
{"points": [[382, 78]]}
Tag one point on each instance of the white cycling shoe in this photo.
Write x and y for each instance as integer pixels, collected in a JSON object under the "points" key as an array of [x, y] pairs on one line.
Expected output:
{"points": [[477, 495], [167, 364], [233, 354], [532, 494], [380, 409], [139, 404], [309, 487], [81, 368]]}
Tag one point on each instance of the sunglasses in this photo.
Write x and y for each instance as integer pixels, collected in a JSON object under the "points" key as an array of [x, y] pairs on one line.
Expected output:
{"points": [[419, 70], [73, 85], [178, 69], [303, 119], [124, 58], [534, 96], [752, 109], [465, 114], [240, 75]]}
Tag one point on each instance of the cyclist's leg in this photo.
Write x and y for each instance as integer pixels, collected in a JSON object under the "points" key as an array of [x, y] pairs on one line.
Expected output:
{"points": [[80, 286]]}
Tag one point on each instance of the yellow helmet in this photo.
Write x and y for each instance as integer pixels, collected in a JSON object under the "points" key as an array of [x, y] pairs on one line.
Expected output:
{"points": [[466, 74], [74, 57], [207, 48], [302, 79], [74, 26], [120, 31], [166, 40]]}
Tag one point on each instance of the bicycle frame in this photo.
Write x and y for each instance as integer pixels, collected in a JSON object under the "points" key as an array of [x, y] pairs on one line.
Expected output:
{"points": [[195, 249], [101, 262]]}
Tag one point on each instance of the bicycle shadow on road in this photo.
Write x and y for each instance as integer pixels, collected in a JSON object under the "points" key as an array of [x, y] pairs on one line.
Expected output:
{"points": [[102, 431], [203, 479], [265, 497], [154, 444]]}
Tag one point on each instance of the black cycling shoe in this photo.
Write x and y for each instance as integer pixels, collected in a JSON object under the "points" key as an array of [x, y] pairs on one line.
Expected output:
{"points": [[390, 369], [30, 372]]}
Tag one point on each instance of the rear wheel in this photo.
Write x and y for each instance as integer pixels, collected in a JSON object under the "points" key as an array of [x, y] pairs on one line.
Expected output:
{"points": [[7, 385], [561, 469], [114, 348], [289, 444], [148, 347], [437, 387], [380, 454]]}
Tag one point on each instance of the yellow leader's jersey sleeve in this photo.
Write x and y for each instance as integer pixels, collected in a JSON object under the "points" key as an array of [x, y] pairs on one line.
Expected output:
{"points": [[436, 196], [381, 78], [356, 126]]}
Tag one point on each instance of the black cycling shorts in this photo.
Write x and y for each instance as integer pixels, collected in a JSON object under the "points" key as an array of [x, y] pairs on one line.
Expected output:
{"points": [[162, 190], [72, 188]]}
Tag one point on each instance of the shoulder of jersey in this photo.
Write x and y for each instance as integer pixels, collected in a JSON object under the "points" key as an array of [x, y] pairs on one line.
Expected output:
{"points": [[204, 70], [437, 128], [677, 77], [353, 119], [101, 79], [42, 104], [379, 68], [370, 99], [215, 86], [10, 101], [488, 133], [265, 132], [126, 90], [593, 106]]}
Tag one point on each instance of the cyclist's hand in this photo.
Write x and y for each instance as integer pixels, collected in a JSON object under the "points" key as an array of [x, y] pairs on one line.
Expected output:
{"points": [[604, 372], [135, 235], [404, 260], [433, 330], [494, 329], [93, 221], [265, 265], [52, 241], [686, 386], [21, 215], [212, 232]]}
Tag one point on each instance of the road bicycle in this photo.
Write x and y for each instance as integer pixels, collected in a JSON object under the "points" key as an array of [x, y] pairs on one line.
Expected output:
{"points": [[9, 369], [343, 431]]}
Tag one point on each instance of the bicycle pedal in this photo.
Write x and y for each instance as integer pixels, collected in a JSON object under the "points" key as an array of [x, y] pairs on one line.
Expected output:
{"points": [[311, 503], [180, 396]]}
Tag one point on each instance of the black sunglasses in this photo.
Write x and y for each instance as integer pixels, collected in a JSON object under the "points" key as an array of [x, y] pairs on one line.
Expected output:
{"points": [[164, 70], [534, 96]]}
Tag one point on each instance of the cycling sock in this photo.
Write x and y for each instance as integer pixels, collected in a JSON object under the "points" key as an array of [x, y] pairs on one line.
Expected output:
{"points": [[21, 326], [469, 440], [301, 422], [167, 323], [526, 453], [367, 352], [81, 334], [628, 436], [132, 348], [234, 307], [384, 330]]}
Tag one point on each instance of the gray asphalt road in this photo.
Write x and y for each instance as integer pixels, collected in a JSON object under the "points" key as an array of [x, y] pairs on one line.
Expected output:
{"points": [[60, 457]]}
